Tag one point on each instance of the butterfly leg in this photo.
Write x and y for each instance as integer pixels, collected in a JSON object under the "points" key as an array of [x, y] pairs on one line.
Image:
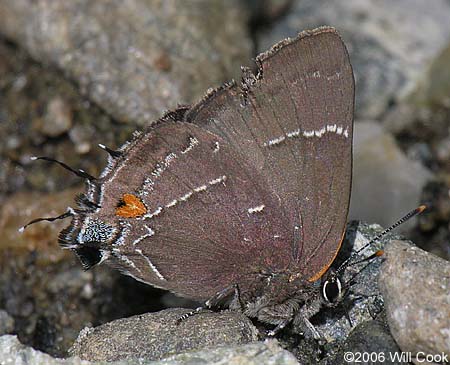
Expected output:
{"points": [[214, 301], [309, 328], [301, 319], [222, 295], [189, 314], [346, 307], [280, 327], [237, 298]]}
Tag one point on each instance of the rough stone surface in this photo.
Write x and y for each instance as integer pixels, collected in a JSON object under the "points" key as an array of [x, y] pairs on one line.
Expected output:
{"points": [[6, 323], [386, 184], [12, 352], [388, 53], [370, 338], [22, 208], [157, 335], [58, 118], [264, 353], [434, 88], [416, 287], [27, 92], [134, 58], [268, 10]]}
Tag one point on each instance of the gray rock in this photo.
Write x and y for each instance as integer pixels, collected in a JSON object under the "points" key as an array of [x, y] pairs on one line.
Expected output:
{"points": [[443, 151], [12, 352], [28, 90], [58, 118], [258, 353], [371, 338], [134, 58], [268, 10], [6, 323], [434, 89], [156, 335], [386, 184], [416, 287], [391, 43]]}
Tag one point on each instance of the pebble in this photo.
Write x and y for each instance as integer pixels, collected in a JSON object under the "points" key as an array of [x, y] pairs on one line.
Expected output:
{"points": [[416, 288], [386, 184], [6, 323], [157, 335]]}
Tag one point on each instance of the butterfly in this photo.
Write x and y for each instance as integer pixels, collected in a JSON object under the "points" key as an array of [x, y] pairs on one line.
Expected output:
{"points": [[242, 197]]}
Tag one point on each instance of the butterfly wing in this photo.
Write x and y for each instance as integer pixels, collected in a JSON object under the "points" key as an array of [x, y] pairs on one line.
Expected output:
{"points": [[188, 214], [294, 122]]}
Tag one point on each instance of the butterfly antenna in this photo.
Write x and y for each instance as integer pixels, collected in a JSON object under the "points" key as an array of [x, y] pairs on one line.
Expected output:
{"points": [[369, 260], [402, 220], [81, 173], [69, 213], [112, 153]]}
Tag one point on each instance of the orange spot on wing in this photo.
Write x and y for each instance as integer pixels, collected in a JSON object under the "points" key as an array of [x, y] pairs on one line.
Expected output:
{"points": [[132, 207]]}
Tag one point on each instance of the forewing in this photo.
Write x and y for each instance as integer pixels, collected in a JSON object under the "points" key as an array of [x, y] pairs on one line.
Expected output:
{"points": [[206, 222], [293, 121]]}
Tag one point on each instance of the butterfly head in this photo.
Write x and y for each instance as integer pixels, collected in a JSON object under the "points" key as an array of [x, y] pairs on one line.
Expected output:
{"points": [[331, 289], [89, 237]]}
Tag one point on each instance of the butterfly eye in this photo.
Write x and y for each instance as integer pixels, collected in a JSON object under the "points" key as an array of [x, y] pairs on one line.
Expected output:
{"points": [[332, 290], [89, 256]]}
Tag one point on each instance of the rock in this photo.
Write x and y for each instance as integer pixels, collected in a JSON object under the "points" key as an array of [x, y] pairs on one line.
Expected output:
{"points": [[12, 352], [386, 184], [267, 352], [443, 152], [28, 90], [156, 335], [403, 118], [422, 133], [388, 54], [20, 209], [134, 58], [436, 195], [58, 118], [264, 11], [436, 220], [82, 138], [434, 89], [416, 287], [6, 323], [371, 338]]}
